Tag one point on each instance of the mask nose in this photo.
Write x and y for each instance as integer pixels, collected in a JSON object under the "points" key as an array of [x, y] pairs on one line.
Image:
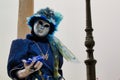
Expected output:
{"points": [[41, 27]]}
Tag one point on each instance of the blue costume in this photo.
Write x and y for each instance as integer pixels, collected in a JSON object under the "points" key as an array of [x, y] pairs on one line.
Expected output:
{"points": [[33, 46], [27, 48]]}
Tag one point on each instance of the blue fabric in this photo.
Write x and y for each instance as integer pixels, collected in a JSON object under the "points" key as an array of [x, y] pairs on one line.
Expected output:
{"points": [[26, 48]]}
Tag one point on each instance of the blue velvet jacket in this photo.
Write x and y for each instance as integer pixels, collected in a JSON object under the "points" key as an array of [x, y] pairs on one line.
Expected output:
{"points": [[26, 48]]}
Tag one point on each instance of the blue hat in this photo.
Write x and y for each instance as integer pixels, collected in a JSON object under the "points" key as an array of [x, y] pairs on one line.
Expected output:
{"points": [[46, 14]]}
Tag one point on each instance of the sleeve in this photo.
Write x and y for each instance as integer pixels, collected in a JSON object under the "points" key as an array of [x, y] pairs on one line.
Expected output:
{"points": [[18, 52]]}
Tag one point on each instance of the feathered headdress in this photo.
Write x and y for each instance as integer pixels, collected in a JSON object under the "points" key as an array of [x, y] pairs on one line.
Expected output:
{"points": [[46, 14]]}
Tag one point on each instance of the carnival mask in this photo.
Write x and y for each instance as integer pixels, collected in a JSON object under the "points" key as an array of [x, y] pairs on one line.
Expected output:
{"points": [[41, 28]]}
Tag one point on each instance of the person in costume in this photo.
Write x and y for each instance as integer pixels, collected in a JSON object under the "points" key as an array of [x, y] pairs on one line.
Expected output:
{"points": [[23, 61]]}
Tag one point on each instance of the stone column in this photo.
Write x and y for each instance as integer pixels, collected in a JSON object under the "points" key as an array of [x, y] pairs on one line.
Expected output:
{"points": [[26, 8]]}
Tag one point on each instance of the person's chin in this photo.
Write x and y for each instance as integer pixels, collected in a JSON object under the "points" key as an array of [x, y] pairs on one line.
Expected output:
{"points": [[42, 35]]}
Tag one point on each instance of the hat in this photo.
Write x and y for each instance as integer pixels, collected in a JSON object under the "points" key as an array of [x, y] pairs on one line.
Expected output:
{"points": [[46, 14]]}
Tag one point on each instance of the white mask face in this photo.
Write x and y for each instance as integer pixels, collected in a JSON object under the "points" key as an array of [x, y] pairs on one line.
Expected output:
{"points": [[41, 28]]}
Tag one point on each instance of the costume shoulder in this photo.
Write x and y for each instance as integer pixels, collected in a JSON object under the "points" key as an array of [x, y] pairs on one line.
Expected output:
{"points": [[18, 49], [19, 41], [19, 44]]}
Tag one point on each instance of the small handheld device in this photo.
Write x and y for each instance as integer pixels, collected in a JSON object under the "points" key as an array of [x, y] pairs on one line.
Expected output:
{"points": [[35, 59]]}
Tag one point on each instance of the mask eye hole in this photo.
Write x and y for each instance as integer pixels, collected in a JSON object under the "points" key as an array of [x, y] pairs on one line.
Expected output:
{"points": [[40, 22], [47, 25]]}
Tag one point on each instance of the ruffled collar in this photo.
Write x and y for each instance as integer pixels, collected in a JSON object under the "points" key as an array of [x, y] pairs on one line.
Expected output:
{"points": [[36, 38]]}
